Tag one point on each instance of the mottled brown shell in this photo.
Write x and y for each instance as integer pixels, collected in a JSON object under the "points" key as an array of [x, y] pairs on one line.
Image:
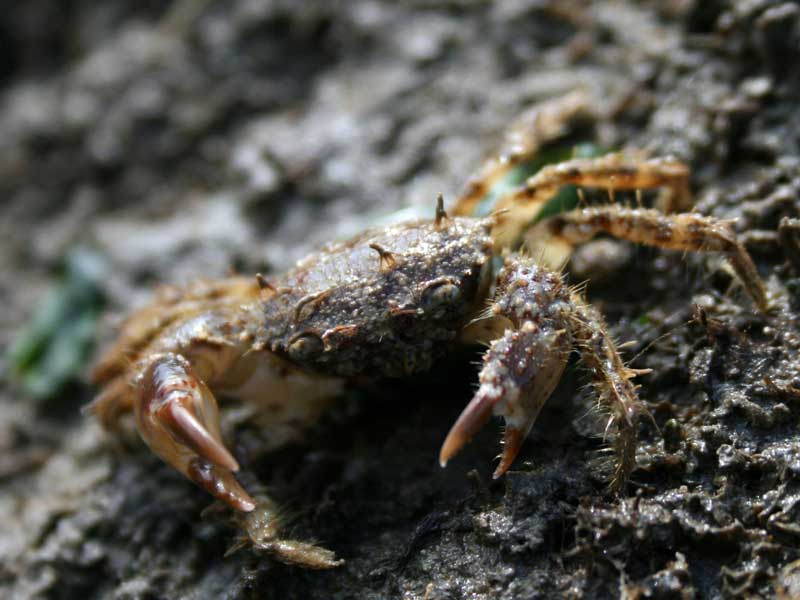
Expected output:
{"points": [[386, 303]]}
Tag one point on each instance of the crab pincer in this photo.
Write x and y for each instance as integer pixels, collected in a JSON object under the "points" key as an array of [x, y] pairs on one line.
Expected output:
{"points": [[523, 366], [178, 417]]}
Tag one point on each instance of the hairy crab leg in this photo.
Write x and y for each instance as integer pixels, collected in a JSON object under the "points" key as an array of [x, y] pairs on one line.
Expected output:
{"points": [[616, 171], [612, 380], [686, 231], [539, 125], [612, 172], [178, 417], [262, 528], [116, 399]]}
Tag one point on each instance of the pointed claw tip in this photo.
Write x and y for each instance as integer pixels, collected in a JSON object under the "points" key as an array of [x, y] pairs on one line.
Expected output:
{"points": [[449, 448], [500, 470], [452, 444], [512, 440], [471, 420], [182, 422], [505, 464], [245, 505]]}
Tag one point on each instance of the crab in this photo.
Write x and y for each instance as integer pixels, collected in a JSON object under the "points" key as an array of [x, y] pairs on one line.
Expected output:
{"points": [[389, 303]]}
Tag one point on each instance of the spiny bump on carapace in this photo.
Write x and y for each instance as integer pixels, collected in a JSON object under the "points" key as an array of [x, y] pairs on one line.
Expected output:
{"points": [[387, 259], [441, 214], [263, 284]]}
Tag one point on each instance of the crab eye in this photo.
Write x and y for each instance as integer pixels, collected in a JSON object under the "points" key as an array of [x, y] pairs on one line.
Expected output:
{"points": [[305, 347], [439, 295]]}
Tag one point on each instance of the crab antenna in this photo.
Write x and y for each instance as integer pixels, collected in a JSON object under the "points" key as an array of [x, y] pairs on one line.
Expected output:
{"points": [[440, 212]]}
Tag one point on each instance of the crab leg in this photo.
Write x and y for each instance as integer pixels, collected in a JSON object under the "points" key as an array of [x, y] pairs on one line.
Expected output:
{"points": [[612, 379], [615, 171], [612, 172], [685, 231], [178, 417], [116, 399], [523, 366], [537, 126]]}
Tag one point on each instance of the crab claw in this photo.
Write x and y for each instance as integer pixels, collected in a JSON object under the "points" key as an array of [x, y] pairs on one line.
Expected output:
{"points": [[519, 373], [177, 416], [513, 438], [477, 413], [470, 422]]}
